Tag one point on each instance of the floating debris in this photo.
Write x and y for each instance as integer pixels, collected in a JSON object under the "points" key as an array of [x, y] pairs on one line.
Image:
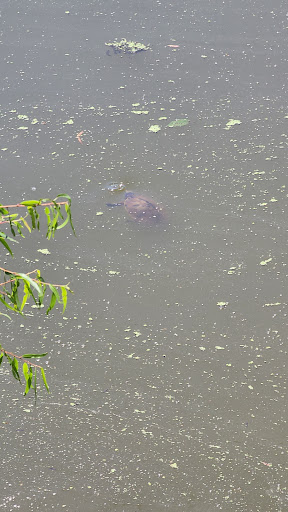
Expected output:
{"points": [[127, 46], [232, 122], [222, 304], [44, 251], [154, 128], [115, 187], [265, 262], [178, 122]]}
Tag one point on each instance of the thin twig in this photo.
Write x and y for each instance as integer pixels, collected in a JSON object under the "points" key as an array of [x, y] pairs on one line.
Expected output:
{"points": [[36, 204], [19, 357], [14, 274], [28, 273]]}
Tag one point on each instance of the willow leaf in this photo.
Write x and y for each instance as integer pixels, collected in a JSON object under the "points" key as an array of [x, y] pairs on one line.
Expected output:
{"points": [[31, 202], [44, 380], [28, 374], [6, 303], [55, 291], [66, 197], [14, 367], [24, 300], [64, 297], [52, 303], [68, 212], [28, 279], [35, 382], [3, 211], [25, 224], [29, 356], [25, 370], [63, 223], [3, 242], [32, 216]]}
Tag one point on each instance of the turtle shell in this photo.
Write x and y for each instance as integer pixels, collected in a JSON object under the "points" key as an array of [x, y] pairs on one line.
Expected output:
{"points": [[142, 209]]}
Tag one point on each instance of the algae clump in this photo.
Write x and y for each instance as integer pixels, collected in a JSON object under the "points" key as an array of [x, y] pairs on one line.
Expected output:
{"points": [[127, 46]]}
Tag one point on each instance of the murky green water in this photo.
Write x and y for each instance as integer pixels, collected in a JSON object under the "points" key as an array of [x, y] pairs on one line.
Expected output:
{"points": [[168, 370]]}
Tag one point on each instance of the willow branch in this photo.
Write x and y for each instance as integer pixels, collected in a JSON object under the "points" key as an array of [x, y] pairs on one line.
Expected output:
{"points": [[36, 204], [19, 357]]}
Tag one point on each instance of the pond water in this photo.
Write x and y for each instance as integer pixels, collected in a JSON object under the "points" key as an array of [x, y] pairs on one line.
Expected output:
{"points": [[168, 370]]}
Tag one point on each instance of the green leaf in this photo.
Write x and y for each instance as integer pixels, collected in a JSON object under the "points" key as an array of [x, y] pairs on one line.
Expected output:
{"points": [[44, 380], [24, 300], [19, 228], [54, 222], [2, 235], [32, 215], [28, 386], [25, 224], [3, 211], [14, 295], [47, 212], [11, 227], [178, 122], [3, 242], [6, 303], [35, 383], [31, 202], [1, 357], [57, 207], [29, 356], [8, 357], [64, 297], [43, 287], [37, 218], [25, 370], [68, 211], [65, 197], [52, 303], [63, 223], [14, 367], [55, 291], [28, 374], [28, 279], [12, 216]]}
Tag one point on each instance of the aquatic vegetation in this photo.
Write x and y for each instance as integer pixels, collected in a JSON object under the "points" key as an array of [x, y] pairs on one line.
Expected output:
{"points": [[232, 122], [127, 46], [178, 122], [154, 128]]}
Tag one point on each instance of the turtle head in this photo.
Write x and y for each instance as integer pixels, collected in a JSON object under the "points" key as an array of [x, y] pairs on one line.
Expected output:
{"points": [[129, 194]]}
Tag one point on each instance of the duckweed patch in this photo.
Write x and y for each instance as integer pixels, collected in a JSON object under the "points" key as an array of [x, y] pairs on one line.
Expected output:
{"points": [[125, 46]]}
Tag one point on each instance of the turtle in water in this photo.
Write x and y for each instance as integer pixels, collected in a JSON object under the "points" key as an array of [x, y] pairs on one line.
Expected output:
{"points": [[140, 208]]}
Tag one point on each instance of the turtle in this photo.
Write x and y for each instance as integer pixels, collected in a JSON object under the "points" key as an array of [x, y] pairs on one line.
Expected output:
{"points": [[140, 208]]}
